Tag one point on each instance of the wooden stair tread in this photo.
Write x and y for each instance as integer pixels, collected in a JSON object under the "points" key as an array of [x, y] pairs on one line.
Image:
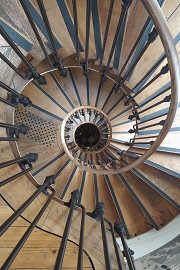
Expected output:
{"points": [[151, 200], [40, 250], [129, 209]]}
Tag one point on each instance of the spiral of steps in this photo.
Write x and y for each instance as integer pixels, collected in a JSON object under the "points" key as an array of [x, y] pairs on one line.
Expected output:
{"points": [[96, 110]]}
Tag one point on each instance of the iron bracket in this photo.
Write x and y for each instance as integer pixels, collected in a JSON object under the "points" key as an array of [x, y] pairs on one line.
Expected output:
{"points": [[98, 211], [14, 132]]}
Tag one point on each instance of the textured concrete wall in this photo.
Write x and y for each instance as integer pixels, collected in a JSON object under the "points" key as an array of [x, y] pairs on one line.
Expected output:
{"points": [[166, 257], [11, 11]]}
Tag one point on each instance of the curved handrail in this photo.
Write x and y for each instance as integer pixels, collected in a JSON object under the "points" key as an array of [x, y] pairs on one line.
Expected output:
{"points": [[159, 20]]}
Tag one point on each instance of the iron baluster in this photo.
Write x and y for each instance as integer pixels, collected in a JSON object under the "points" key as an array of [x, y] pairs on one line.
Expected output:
{"points": [[166, 99], [62, 70], [25, 236], [7, 139], [151, 38], [145, 77], [144, 121], [88, 18], [68, 183], [12, 66], [99, 89], [95, 186], [131, 143], [84, 159], [115, 244], [100, 121], [161, 123], [88, 93], [96, 114], [99, 162], [163, 71], [134, 154], [153, 97], [5, 125], [106, 31], [125, 6], [105, 244], [48, 181], [9, 89], [82, 185], [15, 98], [31, 157], [89, 112], [8, 102], [11, 178], [134, 143], [119, 229], [61, 89], [13, 131], [134, 47], [116, 104], [103, 160], [76, 29], [75, 87], [72, 203], [80, 157], [81, 239], [148, 137], [112, 162], [108, 97], [113, 158], [111, 190], [98, 214], [85, 65], [32, 74], [121, 154], [33, 25]]}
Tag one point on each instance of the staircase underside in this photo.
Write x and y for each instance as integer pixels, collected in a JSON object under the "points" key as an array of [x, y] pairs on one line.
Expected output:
{"points": [[142, 198]]}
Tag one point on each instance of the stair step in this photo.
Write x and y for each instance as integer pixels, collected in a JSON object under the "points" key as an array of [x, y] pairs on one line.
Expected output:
{"points": [[154, 204], [130, 210]]}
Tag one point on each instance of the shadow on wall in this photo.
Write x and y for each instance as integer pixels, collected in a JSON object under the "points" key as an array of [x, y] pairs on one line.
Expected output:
{"points": [[166, 257]]}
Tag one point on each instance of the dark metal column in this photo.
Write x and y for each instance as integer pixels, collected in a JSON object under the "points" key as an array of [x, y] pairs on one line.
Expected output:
{"points": [[119, 229], [106, 31], [59, 260], [11, 178], [98, 214], [23, 239], [115, 244], [33, 25], [48, 181], [125, 5], [76, 29], [81, 240], [62, 70], [15, 98], [12, 66], [31, 157]]}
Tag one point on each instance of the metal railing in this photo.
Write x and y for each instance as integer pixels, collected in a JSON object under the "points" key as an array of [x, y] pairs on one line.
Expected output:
{"points": [[104, 162], [97, 214], [4, 227]]}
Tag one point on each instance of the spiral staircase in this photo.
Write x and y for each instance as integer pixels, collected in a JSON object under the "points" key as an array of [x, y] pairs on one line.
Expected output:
{"points": [[89, 128]]}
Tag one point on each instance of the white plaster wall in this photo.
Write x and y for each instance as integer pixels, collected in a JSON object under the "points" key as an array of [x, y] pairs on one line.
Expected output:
{"points": [[152, 240]]}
